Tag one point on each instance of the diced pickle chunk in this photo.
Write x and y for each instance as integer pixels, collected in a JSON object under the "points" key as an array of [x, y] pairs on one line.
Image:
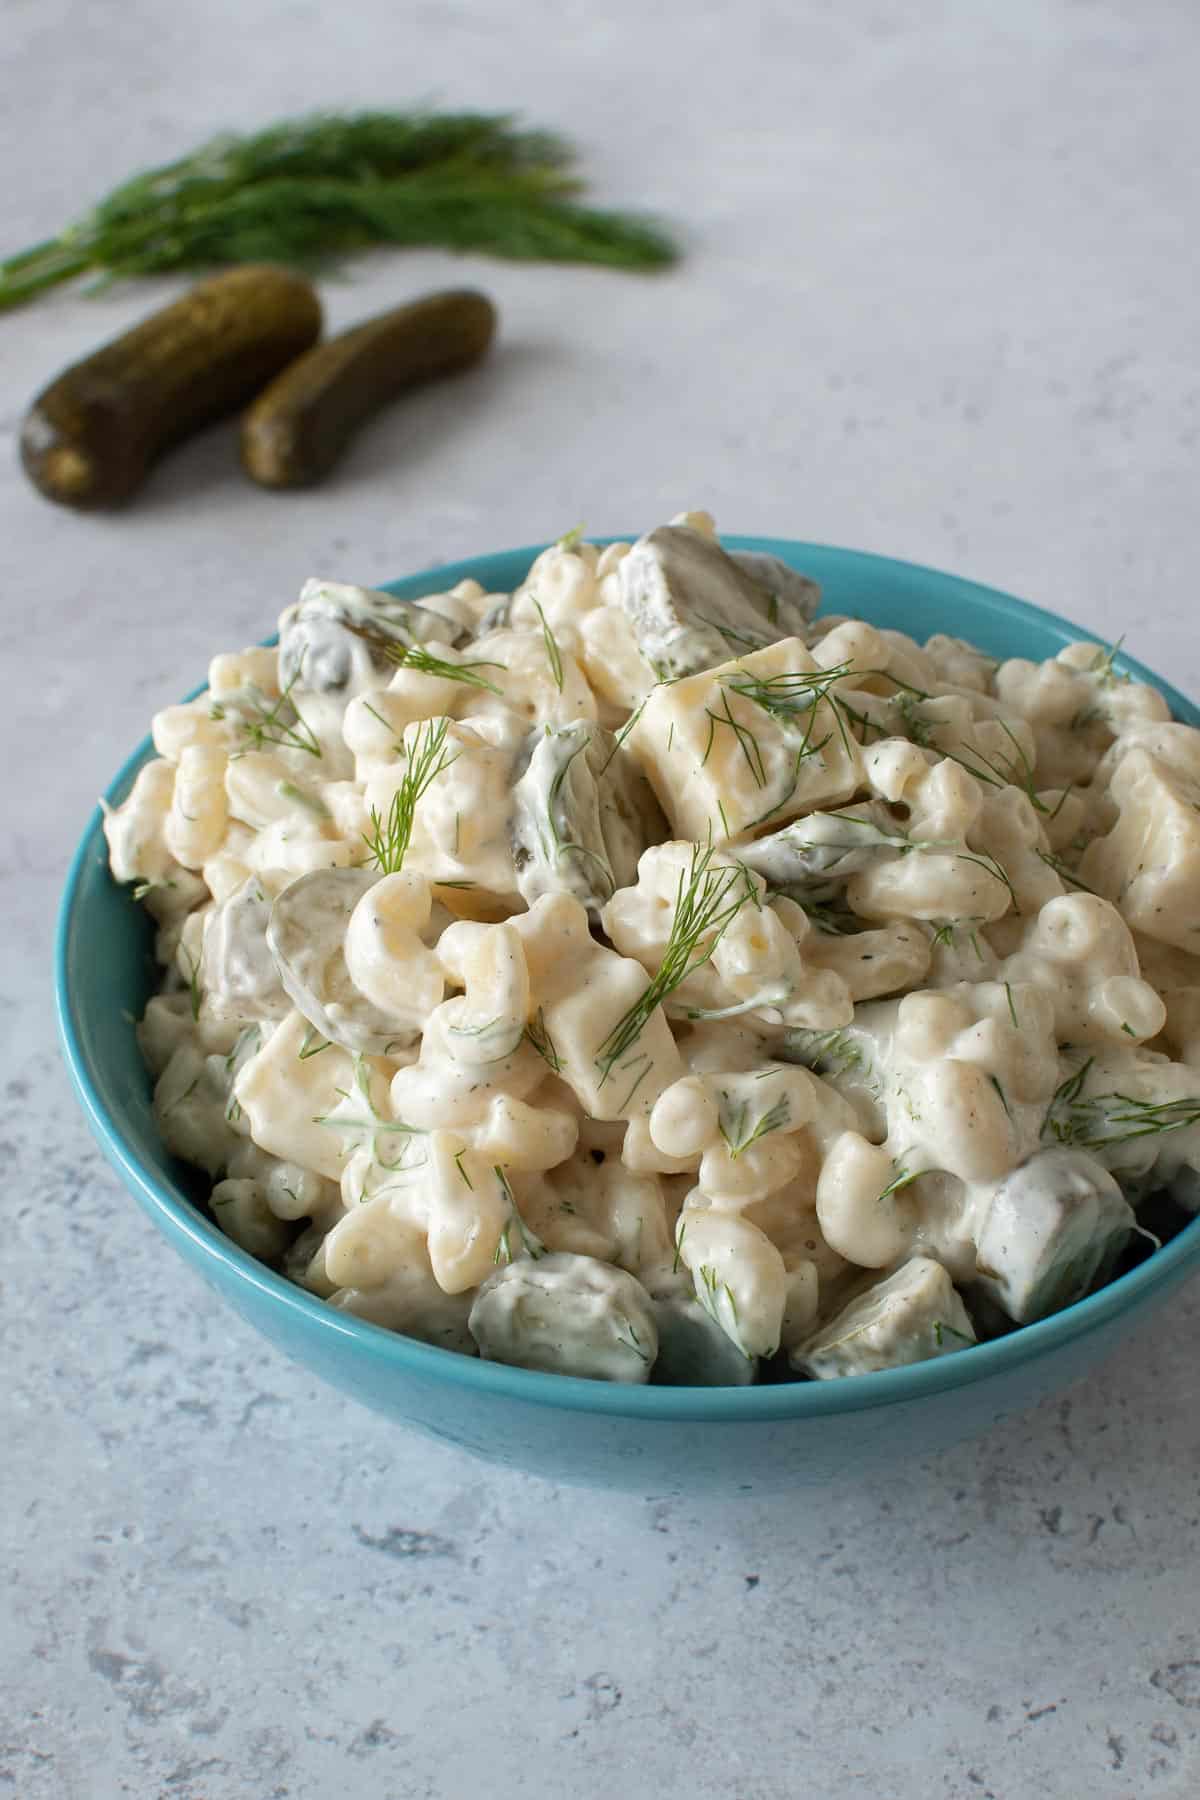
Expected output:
{"points": [[582, 815], [567, 1314], [1054, 1226], [912, 1315], [692, 606]]}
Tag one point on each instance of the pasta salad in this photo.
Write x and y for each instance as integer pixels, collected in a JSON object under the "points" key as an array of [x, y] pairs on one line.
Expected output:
{"points": [[642, 977]]}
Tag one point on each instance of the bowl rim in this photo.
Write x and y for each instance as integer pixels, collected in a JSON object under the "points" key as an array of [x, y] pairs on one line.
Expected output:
{"points": [[226, 1265]]}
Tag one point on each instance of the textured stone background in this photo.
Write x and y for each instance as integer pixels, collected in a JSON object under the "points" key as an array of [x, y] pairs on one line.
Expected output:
{"points": [[940, 300]]}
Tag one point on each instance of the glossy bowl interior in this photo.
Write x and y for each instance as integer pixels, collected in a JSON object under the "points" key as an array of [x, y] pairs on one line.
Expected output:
{"points": [[657, 1440]]}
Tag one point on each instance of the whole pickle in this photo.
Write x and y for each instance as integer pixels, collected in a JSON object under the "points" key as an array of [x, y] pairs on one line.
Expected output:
{"points": [[91, 438], [297, 429]]}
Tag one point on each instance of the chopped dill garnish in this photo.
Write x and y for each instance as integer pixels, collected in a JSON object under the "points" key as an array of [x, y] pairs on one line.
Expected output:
{"points": [[388, 840], [740, 640], [746, 741], [833, 921], [791, 693], [538, 1034], [288, 790], [530, 1242], [1103, 667], [901, 1179], [825, 1052], [707, 900], [553, 654], [143, 888], [313, 1044], [940, 1328], [709, 1290], [984, 859], [737, 1138], [458, 1163], [372, 1124], [1012, 1011], [180, 1098], [271, 725], [570, 540], [1097, 1120], [1061, 870], [416, 656], [995, 1081]]}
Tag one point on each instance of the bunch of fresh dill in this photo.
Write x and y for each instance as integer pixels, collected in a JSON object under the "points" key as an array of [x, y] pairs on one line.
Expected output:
{"points": [[313, 188]]}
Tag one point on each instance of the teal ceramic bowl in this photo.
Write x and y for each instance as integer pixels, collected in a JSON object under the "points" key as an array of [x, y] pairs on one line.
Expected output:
{"points": [[653, 1440]]}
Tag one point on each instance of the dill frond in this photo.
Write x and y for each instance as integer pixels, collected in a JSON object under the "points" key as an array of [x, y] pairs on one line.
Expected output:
{"points": [[707, 900], [272, 725], [1063, 872], [416, 656], [388, 840], [553, 654], [312, 189], [539, 1036], [738, 1138]]}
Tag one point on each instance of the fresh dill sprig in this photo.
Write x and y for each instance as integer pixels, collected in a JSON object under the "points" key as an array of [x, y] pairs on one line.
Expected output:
{"points": [[1012, 1011], [737, 1138], [530, 1242], [707, 900], [310, 189], [312, 1045], [288, 790], [370, 1124], [739, 640], [788, 695], [1063, 872], [983, 859], [941, 1328], [829, 919], [901, 1179], [943, 937], [553, 654], [824, 1052], [1103, 667], [709, 1289], [620, 736], [270, 724], [142, 888], [539, 1036], [416, 656], [389, 839], [747, 743], [1095, 1121]]}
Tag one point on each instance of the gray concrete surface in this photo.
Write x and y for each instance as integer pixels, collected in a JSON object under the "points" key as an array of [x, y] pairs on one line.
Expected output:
{"points": [[939, 300]]}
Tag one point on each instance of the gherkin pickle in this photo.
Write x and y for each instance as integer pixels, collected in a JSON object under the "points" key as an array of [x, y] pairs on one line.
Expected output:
{"points": [[296, 431], [91, 438]]}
